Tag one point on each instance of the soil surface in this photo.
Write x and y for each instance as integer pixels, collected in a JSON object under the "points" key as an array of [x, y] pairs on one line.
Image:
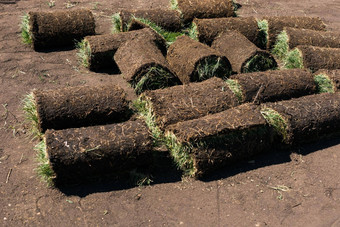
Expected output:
{"points": [[299, 188]]}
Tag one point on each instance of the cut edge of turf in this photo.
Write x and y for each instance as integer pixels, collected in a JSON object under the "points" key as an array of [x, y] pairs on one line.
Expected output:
{"points": [[211, 66], [155, 77], [281, 46], [116, 23], [263, 34], [26, 35], [44, 169], [294, 59], [324, 84], [84, 53], [276, 120], [236, 88], [29, 108], [181, 155], [260, 61]]}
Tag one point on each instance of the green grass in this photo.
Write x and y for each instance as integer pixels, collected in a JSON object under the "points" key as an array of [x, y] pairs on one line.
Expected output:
{"points": [[26, 35], [263, 33], [275, 120], [192, 31], [294, 59], [31, 115], [174, 5], [44, 169], [324, 84], [281, 47], [156, 77], [210, 67], [259, 63], [84, 53], [236, 88], [116, 23]]}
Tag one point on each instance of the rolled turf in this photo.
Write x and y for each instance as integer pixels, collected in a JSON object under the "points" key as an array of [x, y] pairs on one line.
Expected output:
{"points": [[243, 55], [190, 101], [57, 29], [144, 66], [191, 9], [201, 145], [276, 24], [304, 119], [169, 20], [193, 61], [274, 85], [328, 80], [96, 52], [79, 154], [313, 58], [206, 30], [292, 37], [80, 106]]}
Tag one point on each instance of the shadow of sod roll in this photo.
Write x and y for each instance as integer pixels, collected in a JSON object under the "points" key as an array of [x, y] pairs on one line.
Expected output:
{"points": [[57, 29], [205, 144], [243, 55], [304, 119], [329, 80], [193, 61], [313, 58], [191, 9], [273, 85], [79, 154], [169, 20], [80, 106], [144, 66], [276, 24], [96, 52]]}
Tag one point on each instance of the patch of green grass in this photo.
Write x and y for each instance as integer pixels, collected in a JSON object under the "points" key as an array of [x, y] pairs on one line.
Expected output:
{"points": [[263, 33], [258, 63], [44, 169], [181, 155], [84, 53], [156, 77], [281, 47], [236, 88], [174, 5], [294, 59], [324, 84], [275, 120], [26, 35], [31, 115], [192, 31], [210, 67], [116, 23]]}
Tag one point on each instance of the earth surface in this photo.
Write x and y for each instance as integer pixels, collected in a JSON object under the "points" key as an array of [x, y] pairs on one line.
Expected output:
{"points": [[287, 188]]}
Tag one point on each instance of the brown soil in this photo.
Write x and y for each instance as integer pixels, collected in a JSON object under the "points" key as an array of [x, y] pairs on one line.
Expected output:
{"points": [[250, 193]]}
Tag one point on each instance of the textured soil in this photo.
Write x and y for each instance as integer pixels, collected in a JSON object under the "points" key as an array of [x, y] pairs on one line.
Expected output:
{"points": [[299, 188]]}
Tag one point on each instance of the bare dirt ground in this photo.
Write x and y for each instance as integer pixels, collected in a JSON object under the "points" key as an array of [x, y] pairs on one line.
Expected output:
{"points": [[300, 188]]}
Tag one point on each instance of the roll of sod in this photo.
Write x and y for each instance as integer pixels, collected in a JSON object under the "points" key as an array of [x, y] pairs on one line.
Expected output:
{"points": [[191, 9], [243, 55], [272, 86], [304, 119], [96, 52], [190, 101], [313, 58], [292, 37], [276, 24], [327, 80], [193, 61], [144, 66], [205, 144], [80, 106], [57, 29], [78, 154], [167, 19], [206, 30]]}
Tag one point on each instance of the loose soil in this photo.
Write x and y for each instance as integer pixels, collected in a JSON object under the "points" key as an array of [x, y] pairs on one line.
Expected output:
{"points": [[299, 188]]}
